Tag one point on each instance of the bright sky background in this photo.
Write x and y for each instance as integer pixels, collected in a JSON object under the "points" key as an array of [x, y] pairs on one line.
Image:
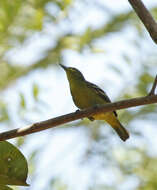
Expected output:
{"points": [[56, 95]]}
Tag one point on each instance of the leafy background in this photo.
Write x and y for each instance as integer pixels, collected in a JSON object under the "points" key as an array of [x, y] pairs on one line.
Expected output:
{"points": [[108, 43]]}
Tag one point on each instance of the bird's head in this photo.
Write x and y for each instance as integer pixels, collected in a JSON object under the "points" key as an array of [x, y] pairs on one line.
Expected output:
{"points": [[72, 73]]}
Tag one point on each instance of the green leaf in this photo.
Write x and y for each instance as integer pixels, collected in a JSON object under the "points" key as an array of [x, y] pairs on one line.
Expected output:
{"points": [[22, 101], [3, 187], [38, 18], [35, 91], [4, 116], [13, 165]]}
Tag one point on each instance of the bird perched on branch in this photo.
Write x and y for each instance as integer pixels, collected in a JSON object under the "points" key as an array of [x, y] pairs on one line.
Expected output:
{"points": [[86, 94]]}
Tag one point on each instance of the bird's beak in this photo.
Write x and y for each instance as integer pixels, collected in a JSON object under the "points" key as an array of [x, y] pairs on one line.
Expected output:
{"points": [[64, 67]]}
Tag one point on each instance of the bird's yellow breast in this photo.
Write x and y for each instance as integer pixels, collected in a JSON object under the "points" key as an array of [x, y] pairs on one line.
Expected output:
{"points": [[85, 97], [109, 117]]}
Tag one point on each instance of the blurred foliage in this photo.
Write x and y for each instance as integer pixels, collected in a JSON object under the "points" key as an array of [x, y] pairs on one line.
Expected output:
{"points": [[5, 187], [4, 115], [57, 184], [58, 21]]}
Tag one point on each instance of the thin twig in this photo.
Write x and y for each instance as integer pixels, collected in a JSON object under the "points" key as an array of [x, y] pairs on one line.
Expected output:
{"points": [[36, 127], [152, 92], [145, 17]]}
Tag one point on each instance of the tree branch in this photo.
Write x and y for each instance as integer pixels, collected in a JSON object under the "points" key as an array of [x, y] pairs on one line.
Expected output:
{"points": [[43, 125], [145, 17], [50, 123], [152, 92]]}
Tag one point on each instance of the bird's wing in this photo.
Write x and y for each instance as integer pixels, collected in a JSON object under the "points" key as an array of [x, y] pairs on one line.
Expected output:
{"points": [[100, 92]]}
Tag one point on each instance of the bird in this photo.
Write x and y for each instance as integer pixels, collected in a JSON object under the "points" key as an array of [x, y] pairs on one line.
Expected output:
{"points": [[86, 94]]}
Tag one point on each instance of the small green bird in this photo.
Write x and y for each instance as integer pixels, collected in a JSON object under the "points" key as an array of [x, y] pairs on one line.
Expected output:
{"points": [[86, 94]]}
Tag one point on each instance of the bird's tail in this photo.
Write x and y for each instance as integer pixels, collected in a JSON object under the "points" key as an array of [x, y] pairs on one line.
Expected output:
{"points": [[111, 119], [121, 131]]}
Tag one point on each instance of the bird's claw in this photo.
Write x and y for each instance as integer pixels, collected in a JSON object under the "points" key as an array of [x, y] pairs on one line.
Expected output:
{"points": [[77, 111]]}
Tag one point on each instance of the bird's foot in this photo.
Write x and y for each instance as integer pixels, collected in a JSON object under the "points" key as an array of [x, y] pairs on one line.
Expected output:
{"points": [[77, 111], [91, 118]]}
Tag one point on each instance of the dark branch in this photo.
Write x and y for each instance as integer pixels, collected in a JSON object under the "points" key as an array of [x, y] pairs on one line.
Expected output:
{"points": [[36, 127], [152, 92], [50, 123], [145, 17]]}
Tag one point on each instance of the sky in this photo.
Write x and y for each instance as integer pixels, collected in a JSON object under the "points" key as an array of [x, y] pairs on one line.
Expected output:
{"points": [[57, 99]]}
